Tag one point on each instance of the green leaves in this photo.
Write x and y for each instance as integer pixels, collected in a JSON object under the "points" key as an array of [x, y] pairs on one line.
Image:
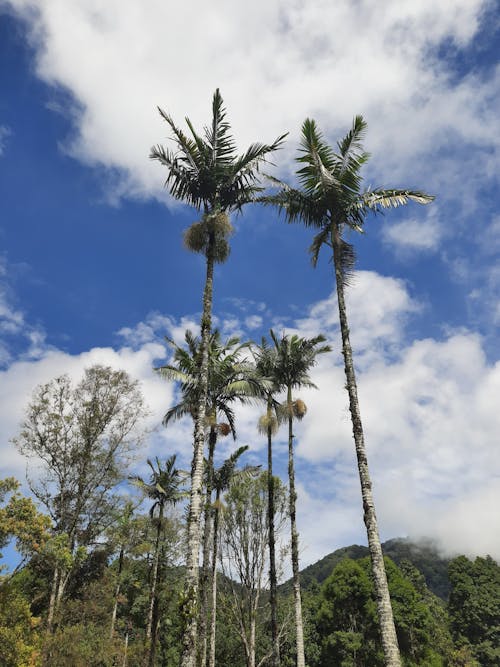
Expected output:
{"points": [[331, 197], [205, 171]]}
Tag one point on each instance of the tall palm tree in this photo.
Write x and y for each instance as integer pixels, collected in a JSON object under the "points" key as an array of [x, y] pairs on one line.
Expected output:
{"points": [[265, 363], [231, 378], [207, 173], [163, 488], [332, 201], [293, 358]]}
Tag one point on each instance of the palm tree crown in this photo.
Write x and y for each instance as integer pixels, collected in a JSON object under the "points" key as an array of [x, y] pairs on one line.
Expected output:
{"points": [[231, 378], [206, 172], [332, 194], [162, 487]]}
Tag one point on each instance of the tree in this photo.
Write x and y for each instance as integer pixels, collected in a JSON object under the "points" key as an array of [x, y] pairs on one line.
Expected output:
{"points": [[268, 425], [83, 438], [223, 477], [163, 489], [231, 378], [347, 620], [474, 607], [244, 540], [206, 173], [293, 358], [332, 201], [20, 519]]}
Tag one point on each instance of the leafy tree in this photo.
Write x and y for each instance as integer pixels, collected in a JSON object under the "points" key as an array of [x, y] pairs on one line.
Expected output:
{"points": [[332, 201], [19, 639], [293, 358], [474, 607], [206, 173], [20, 520], [244, 540], [163, 488], [83, 437], [224, 476], [348, 626]]}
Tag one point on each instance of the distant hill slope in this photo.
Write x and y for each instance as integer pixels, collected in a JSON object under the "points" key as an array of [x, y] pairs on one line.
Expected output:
{"points": [[423, 555]]}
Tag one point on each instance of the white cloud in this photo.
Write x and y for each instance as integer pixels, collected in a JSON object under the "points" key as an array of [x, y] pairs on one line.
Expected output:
{"points": [[5, 132], [411, 235], [297, 59], [14, 329], [429, 407]]}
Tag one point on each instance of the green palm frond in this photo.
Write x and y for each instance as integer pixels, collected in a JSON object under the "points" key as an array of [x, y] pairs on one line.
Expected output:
{"points": [[347, 261], [321, 239], [205, 171], [380, 199], [331, 197]]}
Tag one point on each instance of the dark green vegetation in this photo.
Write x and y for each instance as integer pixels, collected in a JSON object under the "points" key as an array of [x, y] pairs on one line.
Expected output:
{"points": [[103, 618]]}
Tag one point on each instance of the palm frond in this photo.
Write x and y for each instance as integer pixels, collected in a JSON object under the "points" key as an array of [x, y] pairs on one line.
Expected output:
{"points": [[347, 262], [381, 199], [322, 238]]}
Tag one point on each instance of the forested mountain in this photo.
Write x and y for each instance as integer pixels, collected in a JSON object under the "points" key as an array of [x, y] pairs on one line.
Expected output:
{"points": [[424, 555]]}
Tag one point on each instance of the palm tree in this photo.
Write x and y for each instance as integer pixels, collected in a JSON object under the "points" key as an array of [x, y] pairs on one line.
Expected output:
{"points": [[122, 533], [332, 201], [230, 379], [163, 489], [265, 362], [293, 358], [206, 172]]}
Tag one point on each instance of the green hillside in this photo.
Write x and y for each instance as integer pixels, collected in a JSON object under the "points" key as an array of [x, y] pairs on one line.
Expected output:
{"points": [[424, 555]]}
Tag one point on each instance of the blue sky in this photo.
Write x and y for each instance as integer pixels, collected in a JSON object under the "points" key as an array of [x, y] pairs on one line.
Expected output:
{"points": [[92, 267]]}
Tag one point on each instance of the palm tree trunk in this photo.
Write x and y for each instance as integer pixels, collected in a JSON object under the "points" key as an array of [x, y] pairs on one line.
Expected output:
{"points": [[386, 619], [205, 569], [273, 593], [213, 611], [190, 607], [299, 630], [152, 595]]}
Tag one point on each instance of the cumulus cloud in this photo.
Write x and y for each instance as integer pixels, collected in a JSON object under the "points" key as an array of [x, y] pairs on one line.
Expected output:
{"points": [[429, 409], [5, 132], [430, 425], [414, 235], [15, 331], [317, 59]]}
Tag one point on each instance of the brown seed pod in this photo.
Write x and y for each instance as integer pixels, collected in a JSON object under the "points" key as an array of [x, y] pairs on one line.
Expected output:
{"points": [[196, 237], [268, 422], [299, 409], [224, 429]]}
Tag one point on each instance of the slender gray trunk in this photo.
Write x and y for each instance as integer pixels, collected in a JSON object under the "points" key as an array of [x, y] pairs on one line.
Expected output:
{"points": [[190, 603], [125, 650], [299, 629], [205, 569], [150, 641], [386, 619], [213, 611], [117, 591], [52, 600], [273, 584], [251, 643]]}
